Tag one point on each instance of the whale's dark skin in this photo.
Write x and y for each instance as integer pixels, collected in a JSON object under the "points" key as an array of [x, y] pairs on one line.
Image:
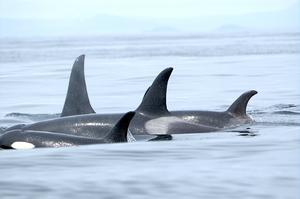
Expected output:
{"points": [[152, 116], [233, 116], [40, 139], [77, 101], [152, 107], [179, 121]]}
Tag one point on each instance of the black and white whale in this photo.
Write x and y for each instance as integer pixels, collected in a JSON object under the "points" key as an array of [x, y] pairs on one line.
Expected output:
{"points": [[152, 116], [79, 118], [27, 139], [235, 115], [157, 119]]}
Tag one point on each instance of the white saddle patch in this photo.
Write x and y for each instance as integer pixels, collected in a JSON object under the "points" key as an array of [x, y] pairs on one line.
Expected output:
{"points": [[161, 125], [22, 145]]}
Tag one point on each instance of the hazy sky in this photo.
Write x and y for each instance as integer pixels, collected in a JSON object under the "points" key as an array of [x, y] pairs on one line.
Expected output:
{"points": [[151, 8]]}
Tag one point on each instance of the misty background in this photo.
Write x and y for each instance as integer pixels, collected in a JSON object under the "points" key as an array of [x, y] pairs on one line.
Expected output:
{"points": [[30, 18]]}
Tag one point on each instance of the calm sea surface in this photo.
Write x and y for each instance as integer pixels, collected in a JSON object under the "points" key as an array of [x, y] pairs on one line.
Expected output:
{"points": [[210, 72]]}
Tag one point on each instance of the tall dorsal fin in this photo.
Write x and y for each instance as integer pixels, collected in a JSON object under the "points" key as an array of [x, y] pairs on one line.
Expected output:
{"points": [[154, 100], [77, 100], [239, 106], [119, 132]]}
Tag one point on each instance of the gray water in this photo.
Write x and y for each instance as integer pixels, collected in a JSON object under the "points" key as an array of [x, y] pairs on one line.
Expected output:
{"points": [[210, 71]]}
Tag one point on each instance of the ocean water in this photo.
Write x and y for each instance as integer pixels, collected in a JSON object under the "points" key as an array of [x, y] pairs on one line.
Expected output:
{"points": [[210, 72]]}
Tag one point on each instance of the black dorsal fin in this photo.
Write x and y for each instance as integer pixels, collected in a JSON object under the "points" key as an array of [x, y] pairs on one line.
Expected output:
{"points": [[77, 100], [119, 131], [239, 106], [154, 100]]}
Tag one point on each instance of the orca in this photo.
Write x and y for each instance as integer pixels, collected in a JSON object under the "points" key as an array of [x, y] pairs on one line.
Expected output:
{"points": [[152, 115], [152, 109], [234, 116], [157, 119], [28, 139]]}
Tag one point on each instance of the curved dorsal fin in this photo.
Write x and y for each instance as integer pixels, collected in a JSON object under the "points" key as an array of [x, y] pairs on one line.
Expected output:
{"points": [[77, 100], [119, 132], [239, 106], [154, 100]]}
